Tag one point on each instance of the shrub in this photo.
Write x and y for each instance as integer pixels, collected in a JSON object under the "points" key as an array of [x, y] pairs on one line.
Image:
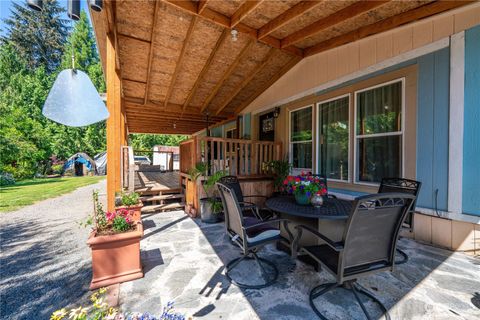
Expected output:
{"points": [[130, 199], [6, 179], [57, 168]]}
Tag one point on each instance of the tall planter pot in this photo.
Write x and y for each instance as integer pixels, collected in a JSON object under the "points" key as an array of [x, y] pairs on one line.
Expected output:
{"points": [[137, 211], [206, 212], [115, 258]]}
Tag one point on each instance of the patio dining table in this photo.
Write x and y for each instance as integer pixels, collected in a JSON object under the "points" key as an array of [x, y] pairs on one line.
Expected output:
{"points": [[329, 219]]}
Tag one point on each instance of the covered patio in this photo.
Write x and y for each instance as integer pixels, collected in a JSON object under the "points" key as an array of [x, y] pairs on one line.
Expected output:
{"points": [[184, 262], [352, 91]]}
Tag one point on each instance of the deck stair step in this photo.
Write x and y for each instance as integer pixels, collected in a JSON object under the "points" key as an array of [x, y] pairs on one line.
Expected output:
{"points": [[163, 207], [163, 197]]}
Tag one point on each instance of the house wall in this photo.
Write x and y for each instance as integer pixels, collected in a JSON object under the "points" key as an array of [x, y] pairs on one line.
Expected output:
{"points": [[428, 46]]}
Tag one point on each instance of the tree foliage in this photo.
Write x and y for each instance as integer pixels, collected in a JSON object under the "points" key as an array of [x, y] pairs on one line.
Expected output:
{"points": [[33, 51], [38, 37]]}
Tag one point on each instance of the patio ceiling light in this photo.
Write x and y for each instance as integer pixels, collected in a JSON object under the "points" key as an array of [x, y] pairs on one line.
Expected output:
{"points": [[234, 34], [74, 101], [36, 5]]}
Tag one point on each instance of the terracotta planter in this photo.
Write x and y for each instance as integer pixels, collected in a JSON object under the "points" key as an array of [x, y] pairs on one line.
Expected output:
{"points": [[115, 258], [137, 211]]}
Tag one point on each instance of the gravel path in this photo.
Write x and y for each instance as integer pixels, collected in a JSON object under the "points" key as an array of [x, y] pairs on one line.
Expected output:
{"points": [[44, 260]]}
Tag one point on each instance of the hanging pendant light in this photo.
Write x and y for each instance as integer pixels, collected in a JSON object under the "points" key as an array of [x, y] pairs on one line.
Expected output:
{"points": [[74, 9], [96, 5], [74, 101], [36, 5]]}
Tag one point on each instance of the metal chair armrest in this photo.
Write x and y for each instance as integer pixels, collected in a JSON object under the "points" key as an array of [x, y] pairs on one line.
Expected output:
{"points": [[267, 222], [247, 204], [337, 246], [331, 196]]}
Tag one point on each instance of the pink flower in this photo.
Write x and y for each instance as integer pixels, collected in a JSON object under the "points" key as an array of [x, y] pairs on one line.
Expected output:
{"points": [[110, 216]]}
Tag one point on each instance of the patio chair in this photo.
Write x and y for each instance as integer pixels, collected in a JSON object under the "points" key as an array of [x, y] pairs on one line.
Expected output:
{"points": [[250, 234], [403, 186], [260, 213], [367, 246]]}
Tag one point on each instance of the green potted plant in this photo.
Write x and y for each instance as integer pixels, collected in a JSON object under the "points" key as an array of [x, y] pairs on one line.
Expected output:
{"points": [[281, 170], [130, 201], [115, 245], [211, 205]]}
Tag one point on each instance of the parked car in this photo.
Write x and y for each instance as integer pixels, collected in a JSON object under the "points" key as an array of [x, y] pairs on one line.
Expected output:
{"points": [[142, 160]]}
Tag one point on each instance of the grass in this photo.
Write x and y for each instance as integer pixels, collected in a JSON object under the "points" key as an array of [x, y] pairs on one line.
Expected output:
{"points": [[27, 192]]}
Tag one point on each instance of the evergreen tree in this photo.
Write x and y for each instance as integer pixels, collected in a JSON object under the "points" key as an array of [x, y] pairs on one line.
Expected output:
{"points": [[37, 36]]}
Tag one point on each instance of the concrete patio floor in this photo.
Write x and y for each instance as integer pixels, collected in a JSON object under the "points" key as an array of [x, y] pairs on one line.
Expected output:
{"points": [[184, 258]]}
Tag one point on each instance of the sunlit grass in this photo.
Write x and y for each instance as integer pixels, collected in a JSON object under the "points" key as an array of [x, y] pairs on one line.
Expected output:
{"points": [[27, 192]]}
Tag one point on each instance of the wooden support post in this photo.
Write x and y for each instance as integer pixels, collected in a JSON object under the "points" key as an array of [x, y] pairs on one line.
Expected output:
{"points": [[115, 135]]}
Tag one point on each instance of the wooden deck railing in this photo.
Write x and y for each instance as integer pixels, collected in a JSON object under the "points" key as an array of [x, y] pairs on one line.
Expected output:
{"points": [[243, 158]]}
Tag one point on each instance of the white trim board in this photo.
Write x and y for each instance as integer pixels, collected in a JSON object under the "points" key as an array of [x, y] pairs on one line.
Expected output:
{"points": [[456, 122], [432, 47]]}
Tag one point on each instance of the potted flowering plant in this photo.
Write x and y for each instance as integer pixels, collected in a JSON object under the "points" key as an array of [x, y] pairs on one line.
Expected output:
{"points": [[115, 245], [304, 187], [131, 202]]}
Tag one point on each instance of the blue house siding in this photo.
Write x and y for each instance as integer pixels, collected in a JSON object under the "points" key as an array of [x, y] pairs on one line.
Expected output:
{"points": [[471, 135], [432, 128]]}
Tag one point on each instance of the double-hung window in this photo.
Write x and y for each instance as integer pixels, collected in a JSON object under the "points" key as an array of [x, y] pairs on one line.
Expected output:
{"points": [[334, 136], [301, 138], [379, 132]]}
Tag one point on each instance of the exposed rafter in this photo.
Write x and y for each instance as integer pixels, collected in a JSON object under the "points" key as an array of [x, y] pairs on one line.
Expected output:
{"points": [[180, 59], [205, 68], [202, 4], [227, 74], [246, 81], [150, 54], [386, 24], [281, 20], [242, 12], [225, 22], [272, 80], [349, 12]]}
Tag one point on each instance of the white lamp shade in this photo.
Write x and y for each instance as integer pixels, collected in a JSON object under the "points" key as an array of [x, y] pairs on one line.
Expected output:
{"points": [[74, 101]]}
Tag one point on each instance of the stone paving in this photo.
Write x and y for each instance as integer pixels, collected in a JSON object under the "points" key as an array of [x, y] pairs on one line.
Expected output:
{"points": [[184, 262]]}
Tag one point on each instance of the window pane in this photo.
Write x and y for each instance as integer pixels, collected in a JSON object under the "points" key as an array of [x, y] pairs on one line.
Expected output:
{"points": [[301, 125], [379, 110], [379, 157], [335, 134], [302, 155]]}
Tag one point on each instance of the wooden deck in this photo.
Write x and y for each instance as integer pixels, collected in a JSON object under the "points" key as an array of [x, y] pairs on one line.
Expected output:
{"points": [[156, 182]]}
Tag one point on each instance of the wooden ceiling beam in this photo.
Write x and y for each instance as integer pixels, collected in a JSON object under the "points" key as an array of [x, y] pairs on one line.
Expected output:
{"points": [[386, 24], [146, 115], [227, 74], [150, 54], [202, 4], [247, 80], [205, 68], [272, 80], [225, 22], [349, 12], [180, 59], [284, 18], [246, 8]]}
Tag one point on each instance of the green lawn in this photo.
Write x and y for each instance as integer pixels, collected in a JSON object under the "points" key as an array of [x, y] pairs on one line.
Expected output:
{"points": [[26, 192]]}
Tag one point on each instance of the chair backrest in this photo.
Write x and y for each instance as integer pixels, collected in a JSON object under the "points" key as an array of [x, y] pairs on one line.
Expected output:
{"points": [[372, 229], [231, 208], [400, 185], [233, 183]]}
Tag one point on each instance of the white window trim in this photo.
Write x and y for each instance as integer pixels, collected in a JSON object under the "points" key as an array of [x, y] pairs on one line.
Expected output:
{"points": [[355, 136], [317, 126], [290, 142]]}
